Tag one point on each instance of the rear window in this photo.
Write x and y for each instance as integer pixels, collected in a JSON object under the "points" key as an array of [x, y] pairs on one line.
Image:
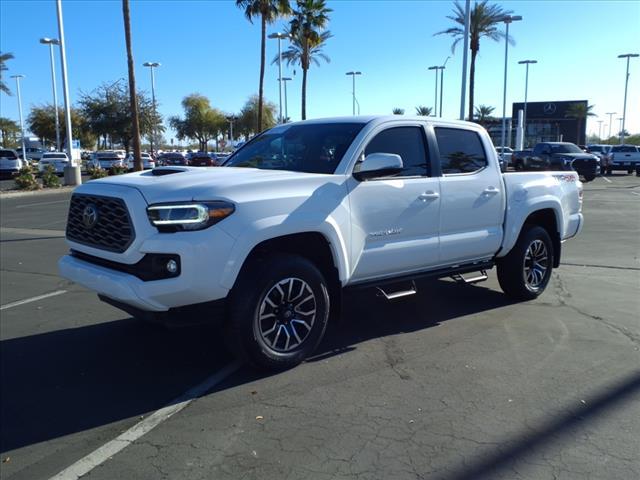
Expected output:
{"points": [[624, 149], [461, 151], [55, 155], [8, 154]]}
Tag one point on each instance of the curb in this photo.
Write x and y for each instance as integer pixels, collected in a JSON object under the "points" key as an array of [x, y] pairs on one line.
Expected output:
{"points": [[33, 193]]}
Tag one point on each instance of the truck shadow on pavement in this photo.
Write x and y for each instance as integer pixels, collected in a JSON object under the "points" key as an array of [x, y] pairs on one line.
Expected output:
{"points": [[68, 381]]}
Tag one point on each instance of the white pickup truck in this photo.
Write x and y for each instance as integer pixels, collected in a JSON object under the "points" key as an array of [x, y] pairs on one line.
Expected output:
{"points": [[269, 241]]}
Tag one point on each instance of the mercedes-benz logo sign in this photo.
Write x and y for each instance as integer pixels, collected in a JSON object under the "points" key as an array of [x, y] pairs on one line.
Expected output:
{"points": [[90, 216], [550, 108]]}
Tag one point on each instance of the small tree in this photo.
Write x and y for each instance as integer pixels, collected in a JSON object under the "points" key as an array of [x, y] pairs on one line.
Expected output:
{"points": [[398, 111], [483, 113], [201, 122], [422, 111], [579, 111]]}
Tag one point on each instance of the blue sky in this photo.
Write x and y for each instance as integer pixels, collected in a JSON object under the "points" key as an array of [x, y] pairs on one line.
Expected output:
{"points": [[210, 48]]}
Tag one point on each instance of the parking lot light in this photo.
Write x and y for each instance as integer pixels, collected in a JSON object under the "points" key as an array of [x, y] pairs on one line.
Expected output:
{"points": [[51, 42], [628, 56], [151, 66], [286, 109], [435, 100], [526, 91], [507, 20], [18, 77], [279, 36], [353, 88]]}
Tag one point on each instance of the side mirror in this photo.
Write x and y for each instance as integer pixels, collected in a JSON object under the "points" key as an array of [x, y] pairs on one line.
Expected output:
{"points": [[379, 165]]}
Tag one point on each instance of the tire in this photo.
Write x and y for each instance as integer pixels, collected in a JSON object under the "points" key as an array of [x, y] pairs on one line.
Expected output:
{"points": [[589, 178], [513, 268], [266, 328], [609, 171]]}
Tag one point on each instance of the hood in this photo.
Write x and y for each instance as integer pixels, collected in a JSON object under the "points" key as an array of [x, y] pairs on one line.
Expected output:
{"points": [[576, 156], [179, 184]]}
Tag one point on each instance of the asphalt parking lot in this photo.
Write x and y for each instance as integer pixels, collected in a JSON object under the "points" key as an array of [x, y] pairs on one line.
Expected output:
{"points": [[454, 383]]}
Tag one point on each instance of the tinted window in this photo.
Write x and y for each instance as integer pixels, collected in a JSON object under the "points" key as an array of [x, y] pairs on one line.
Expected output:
{"points": [[8, 154], [624, 148], [312, 148], [461, 151], [565, 148], [408, 142], [55, 155]]}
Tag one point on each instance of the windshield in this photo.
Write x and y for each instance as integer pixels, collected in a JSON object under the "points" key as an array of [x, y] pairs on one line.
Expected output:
{"points": [[565, 148], [311, 148], [596, 148]]}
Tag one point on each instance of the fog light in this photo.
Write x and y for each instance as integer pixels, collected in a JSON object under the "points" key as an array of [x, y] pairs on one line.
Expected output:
{"points": [[172, 266]]}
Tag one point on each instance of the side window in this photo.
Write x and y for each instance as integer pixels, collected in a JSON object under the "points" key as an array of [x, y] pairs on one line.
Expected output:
{"points": [[408, 142], [461, 151]]}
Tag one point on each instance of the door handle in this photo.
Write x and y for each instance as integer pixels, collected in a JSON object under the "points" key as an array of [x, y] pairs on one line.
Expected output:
{"points": [[491, 191], [430, 195]]}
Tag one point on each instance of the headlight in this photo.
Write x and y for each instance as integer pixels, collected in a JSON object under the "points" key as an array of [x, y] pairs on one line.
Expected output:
{"points": [[179, 217]]}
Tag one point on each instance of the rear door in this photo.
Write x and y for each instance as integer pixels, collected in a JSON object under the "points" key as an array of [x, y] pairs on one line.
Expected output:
{"points": [[395, 219], [473, 197]]}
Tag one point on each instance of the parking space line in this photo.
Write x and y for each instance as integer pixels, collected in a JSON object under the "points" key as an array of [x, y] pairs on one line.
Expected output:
{"points": [[605, 178], [37, 232], [40, 203], [32, 299], [635, 193], [109, 449]]}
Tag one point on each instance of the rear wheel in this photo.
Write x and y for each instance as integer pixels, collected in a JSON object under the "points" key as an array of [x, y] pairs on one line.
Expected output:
{"points": [[589, 178], [526, 270], [278, 312]]}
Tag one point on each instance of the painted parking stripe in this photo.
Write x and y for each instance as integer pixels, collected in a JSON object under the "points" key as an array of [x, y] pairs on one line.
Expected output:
{"points": [[40, 203], [109, 449], [36, 232], [32, 299], [605, 178]]}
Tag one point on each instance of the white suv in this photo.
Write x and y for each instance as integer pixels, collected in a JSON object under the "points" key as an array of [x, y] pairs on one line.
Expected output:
{"points": [[10, 163], [147, 161], [59, 160]]}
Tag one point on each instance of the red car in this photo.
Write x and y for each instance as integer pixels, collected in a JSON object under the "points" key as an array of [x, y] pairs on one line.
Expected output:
{"points": [[202, 159]]}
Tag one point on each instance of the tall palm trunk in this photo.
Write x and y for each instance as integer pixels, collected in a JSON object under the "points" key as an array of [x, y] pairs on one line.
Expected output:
{"points": [[132, 88], [262, 60], [304, 93], [472, 80]]}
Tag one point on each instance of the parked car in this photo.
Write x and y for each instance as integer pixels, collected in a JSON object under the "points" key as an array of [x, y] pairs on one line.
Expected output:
{"points": [[312, 208], [519, 159], [10, 163], [202, 159], [173, 158], [603, 152], [624, 157], [147, 161], [59, 160], [504, 157], [564, 156], [108, 158], [34, 153]]}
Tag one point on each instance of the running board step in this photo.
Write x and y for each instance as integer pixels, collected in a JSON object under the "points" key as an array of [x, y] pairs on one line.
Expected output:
{"points": [[412, 290], [480, 278]]}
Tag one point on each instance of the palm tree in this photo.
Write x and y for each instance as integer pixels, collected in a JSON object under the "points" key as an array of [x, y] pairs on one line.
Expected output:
{"points": [[422, 111], [398, 111], [483, 113], [310, 17], [268, 11], [485, 19], [133, 101], [579, 111], [305, 52], [3, 68]]}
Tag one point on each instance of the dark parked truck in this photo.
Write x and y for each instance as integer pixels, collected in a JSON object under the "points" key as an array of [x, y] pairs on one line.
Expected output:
{"points": [[564, 156]]}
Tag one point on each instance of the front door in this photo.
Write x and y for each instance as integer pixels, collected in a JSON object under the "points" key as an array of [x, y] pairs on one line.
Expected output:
{"points": [[395, 219]]}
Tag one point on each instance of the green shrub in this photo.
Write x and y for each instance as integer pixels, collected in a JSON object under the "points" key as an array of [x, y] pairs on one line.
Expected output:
{"points": [[97, 172], [50, 178], [117, 170], [26, 179]]}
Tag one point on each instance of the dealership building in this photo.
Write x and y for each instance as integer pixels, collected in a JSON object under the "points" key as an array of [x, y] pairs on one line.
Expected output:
{"points": [[545, 122]]}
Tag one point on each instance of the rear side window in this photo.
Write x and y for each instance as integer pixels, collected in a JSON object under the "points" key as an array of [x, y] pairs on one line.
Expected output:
{"points": [[10, 154], [408, 142], [461, 151]]}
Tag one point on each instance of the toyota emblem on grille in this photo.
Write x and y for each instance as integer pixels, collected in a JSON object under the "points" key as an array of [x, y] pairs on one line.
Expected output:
{"points": [[90, 216]]}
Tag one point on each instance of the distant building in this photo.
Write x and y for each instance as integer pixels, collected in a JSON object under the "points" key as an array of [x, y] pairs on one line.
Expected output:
{"points": [[548, 122]]}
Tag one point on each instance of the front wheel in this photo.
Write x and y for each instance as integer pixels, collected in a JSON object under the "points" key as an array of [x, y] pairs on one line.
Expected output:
{"points": [[278, 312], [589, 178], [526, 270]]}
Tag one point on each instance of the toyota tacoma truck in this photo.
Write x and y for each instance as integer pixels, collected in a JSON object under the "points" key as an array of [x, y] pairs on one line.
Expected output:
{"points": [[268, 242]]}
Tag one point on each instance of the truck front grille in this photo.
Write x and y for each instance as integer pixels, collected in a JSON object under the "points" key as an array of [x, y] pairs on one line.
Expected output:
{"points": [[100, 222]]}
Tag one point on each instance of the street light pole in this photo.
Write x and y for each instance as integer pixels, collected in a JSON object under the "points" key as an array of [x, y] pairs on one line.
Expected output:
{"points": [[611, 114], [151, 66], [18, 77], [435, 68], [279, 36], [353, 90], [628, 56], [286, 107], [526, 92], [73, 178], [467, 22], [507, 19], [51, 42], [600, 122]]}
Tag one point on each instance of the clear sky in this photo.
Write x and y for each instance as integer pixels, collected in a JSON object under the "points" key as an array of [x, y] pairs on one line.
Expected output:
{"points": [[210, 48]]}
